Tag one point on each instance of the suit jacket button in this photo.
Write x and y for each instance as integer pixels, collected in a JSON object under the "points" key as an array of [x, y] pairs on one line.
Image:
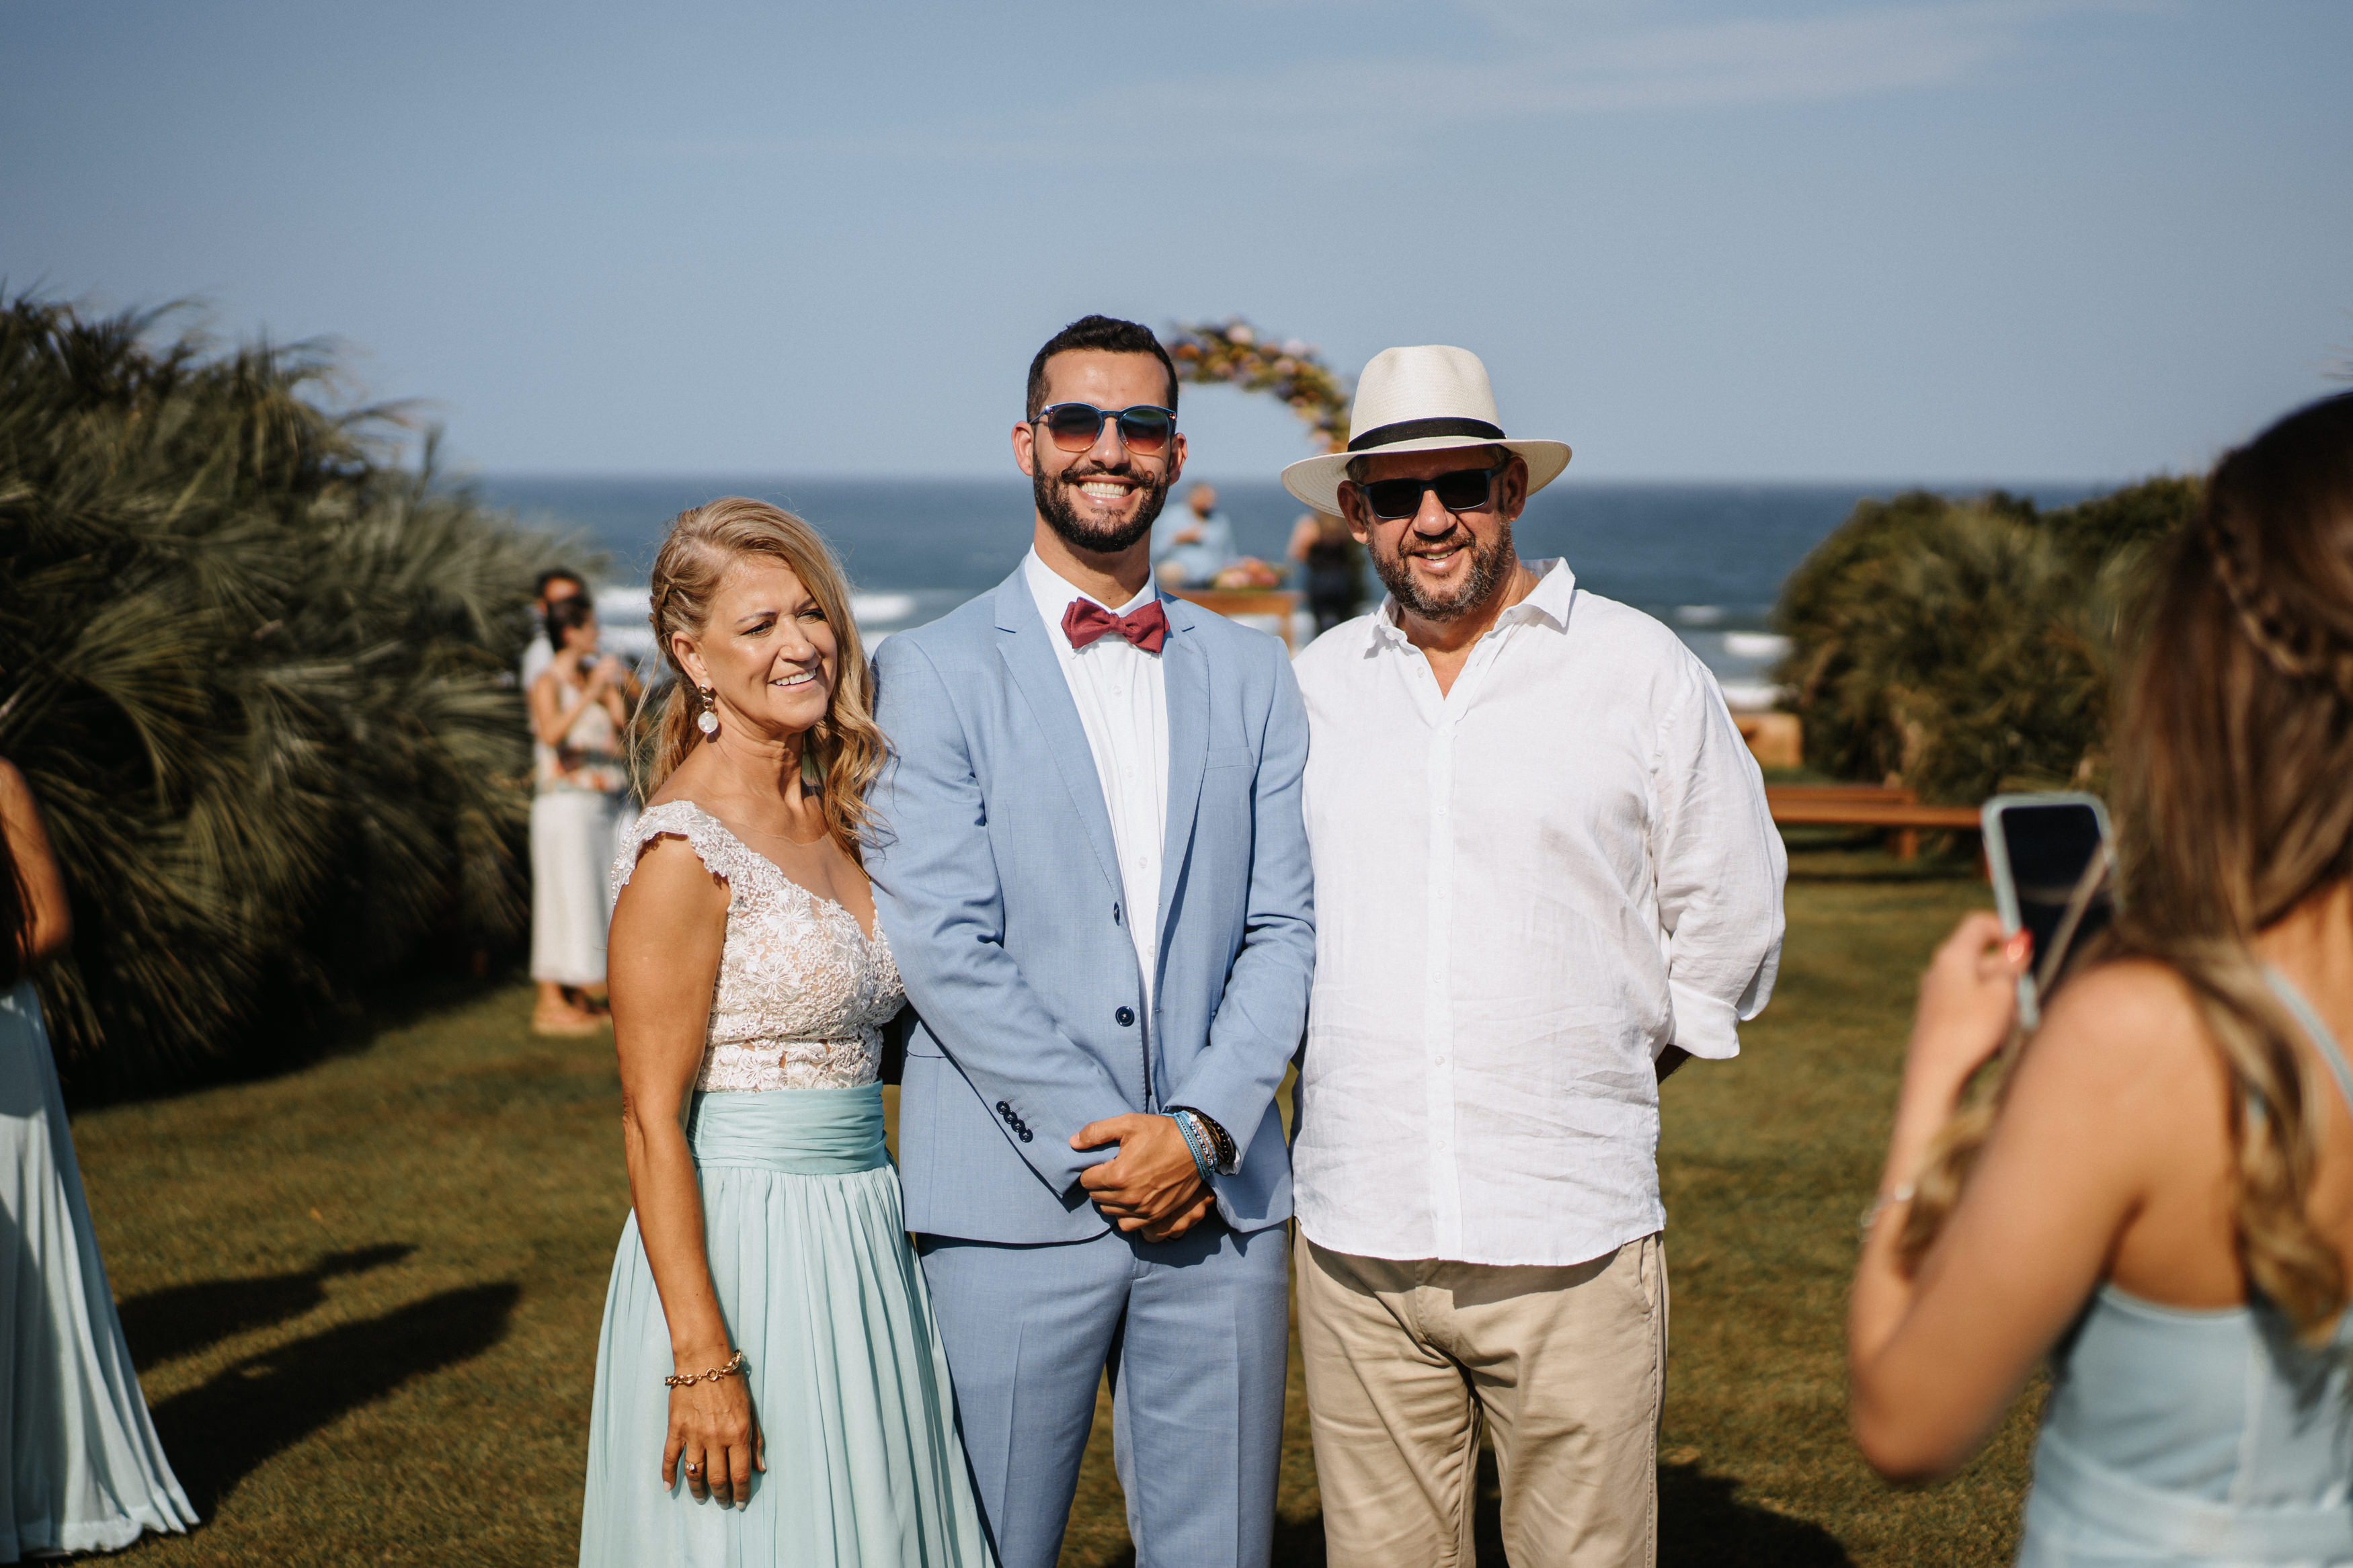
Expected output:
{"points": [[1124, 1016], [1025, 1135], [1114, 914], [1002, 1109]]}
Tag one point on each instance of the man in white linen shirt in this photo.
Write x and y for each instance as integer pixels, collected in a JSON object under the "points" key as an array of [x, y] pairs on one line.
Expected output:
{"points": [[1544, 877]]}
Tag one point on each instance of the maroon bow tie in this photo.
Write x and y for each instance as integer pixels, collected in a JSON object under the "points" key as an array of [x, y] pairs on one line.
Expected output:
{"points": [[1086, 620]]}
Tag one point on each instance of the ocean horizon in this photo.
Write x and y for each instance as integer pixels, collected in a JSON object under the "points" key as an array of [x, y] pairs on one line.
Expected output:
{"points": [[1707, 558]]}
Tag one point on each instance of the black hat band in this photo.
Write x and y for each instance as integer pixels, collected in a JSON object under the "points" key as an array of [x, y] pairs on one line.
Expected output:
{"points": [[1420, 429]]}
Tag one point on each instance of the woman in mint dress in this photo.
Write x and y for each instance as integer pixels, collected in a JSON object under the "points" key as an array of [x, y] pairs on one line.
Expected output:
{"points": [[770, 1386], [2160, 1199], [80, 1470]]}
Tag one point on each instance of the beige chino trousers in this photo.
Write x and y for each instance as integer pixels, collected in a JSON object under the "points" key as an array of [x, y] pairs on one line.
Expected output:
{"points": [[1405, 1359]]}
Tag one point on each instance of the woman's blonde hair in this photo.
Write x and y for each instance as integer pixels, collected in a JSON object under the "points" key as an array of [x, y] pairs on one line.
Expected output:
{"points": [[843, 752], [2234, 792]]}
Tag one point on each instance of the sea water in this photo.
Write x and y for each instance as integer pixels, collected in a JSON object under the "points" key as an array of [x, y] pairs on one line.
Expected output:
{"points": [[1707, 559]]}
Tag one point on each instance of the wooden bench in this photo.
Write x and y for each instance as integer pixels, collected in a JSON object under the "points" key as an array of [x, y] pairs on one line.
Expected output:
{"points": [[1895, 808], [1238, 603]]}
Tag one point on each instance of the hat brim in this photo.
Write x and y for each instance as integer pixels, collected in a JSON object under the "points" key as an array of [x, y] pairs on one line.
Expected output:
{"points": [[1316, 481]]}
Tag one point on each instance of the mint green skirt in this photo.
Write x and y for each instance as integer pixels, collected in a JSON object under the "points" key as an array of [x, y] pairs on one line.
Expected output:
{"points": [[848, 1383], [80, 1470]]}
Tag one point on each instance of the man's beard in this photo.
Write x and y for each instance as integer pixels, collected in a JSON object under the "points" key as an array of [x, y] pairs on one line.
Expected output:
{"points": [[1062, 513], [1489, 568]]}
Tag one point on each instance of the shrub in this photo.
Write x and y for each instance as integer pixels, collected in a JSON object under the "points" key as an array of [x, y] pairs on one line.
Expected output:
{"points": [[258, 675], [1965, 647]]}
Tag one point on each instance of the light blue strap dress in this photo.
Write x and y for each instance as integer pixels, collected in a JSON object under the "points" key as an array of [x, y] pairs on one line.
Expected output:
{"points": [[809, 1259], [2179, 1438], [82, 1470]]}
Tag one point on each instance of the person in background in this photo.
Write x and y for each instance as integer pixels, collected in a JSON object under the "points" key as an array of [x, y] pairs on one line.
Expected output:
{"points": [[1544, 877], [578, 715], [1332, 565], [2159, 1196], [81, 1467], [555, 585], [1191, 547]]}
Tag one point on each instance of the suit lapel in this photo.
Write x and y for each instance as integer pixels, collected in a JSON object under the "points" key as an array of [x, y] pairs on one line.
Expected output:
{"points": [[1038, 675], [1185, 674]]}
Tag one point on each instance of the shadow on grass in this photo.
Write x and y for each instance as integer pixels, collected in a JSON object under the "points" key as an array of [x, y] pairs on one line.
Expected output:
{"points": [[181, 1319], [298, 1030], [221, 1432], [1701, 1525]]}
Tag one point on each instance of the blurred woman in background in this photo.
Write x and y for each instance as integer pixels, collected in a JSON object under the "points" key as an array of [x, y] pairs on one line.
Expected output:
{"points": [[2160, 1195], [578, 715], [81, 1470], [1333, 565]]}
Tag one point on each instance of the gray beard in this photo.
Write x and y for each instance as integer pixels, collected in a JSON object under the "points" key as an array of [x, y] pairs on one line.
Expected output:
{"points": [[1063, 516], [1489, 568]]}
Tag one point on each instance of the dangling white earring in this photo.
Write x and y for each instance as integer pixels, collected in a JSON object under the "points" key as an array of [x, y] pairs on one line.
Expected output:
{"points": [[707, 721]]}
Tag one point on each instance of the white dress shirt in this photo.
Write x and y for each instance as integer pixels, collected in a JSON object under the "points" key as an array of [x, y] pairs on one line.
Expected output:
{"points": [[1525, 890], [1123, 700]]}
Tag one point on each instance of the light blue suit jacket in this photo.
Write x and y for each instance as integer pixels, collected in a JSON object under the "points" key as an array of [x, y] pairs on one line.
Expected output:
{"points": [[996, 880]]}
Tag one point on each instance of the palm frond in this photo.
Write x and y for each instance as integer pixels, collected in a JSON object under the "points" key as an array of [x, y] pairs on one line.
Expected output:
{"points": [[260, 677]]}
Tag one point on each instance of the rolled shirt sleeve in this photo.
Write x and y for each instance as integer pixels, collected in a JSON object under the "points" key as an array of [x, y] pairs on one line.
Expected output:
{"points": [[1721, 868]]}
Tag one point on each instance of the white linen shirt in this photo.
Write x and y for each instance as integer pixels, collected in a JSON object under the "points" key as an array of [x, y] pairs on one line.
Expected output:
{"points": [[1525, 890], [1122, 695]]}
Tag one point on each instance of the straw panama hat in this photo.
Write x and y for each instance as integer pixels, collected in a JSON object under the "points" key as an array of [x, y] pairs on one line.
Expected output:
{"points": [[1424, 399]]}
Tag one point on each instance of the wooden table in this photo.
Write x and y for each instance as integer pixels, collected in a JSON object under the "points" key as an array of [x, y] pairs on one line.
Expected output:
{"points": [[1278, 603], [1892, 808]]}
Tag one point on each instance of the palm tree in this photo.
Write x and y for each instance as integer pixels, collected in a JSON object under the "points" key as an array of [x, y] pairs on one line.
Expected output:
{"points": [[1967, 646], [258, 674]]}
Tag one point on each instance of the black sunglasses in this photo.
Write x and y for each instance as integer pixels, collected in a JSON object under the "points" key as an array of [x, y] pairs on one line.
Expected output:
{"points": [[1459, 490], [1144, 428]]}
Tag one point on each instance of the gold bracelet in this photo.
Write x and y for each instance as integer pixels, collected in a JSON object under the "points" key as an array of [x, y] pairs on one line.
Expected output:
{"points": [[734, 1368]]}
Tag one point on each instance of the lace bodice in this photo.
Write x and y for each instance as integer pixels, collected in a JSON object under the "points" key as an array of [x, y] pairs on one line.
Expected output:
{"points": [[802, 994]]}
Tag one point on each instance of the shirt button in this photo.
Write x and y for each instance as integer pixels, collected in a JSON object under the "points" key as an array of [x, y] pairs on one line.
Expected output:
{"points": [[1124, 1016]]}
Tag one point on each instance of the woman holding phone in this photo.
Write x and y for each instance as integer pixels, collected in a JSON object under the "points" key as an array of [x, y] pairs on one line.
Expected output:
{"points": [[2159, 1198], [579, 791]]}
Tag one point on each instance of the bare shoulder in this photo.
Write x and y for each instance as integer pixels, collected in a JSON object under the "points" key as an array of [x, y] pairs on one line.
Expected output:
{"points": [[18, 805], [671, 882], [2128, 1032]]}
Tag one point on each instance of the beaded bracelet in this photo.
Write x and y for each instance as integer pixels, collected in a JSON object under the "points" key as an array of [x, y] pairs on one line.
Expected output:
{"points": [[1221, 1146], [734, 1368], [1203, 1162]]}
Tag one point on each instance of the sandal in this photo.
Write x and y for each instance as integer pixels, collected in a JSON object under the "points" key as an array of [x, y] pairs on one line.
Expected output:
{"points": [[568, 1024]]}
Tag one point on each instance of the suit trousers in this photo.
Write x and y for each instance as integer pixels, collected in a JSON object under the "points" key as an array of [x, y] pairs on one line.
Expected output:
{"points": [[1405, 1359], [1195, 1334]]}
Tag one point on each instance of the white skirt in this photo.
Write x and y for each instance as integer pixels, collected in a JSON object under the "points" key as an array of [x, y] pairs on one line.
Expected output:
{"points": [[572, 838]]}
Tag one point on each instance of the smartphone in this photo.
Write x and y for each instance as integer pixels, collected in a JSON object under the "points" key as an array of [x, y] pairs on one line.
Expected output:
{"points": [[2053, 868]]}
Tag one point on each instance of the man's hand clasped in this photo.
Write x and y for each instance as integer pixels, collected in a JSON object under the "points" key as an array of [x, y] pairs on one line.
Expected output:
{"points": [[1152, 1184]]}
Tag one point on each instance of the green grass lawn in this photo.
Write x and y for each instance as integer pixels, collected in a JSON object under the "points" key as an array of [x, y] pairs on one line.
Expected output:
{"points": [[364, 1296]]}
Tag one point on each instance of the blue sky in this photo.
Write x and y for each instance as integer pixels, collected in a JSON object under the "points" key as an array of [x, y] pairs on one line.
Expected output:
{"points": [[1696, 238]]}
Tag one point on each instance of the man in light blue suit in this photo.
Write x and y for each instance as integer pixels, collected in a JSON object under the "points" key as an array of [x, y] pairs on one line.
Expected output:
{"points": [[1091, 866]]}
